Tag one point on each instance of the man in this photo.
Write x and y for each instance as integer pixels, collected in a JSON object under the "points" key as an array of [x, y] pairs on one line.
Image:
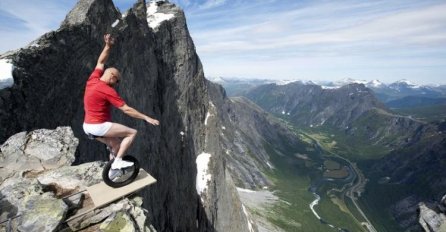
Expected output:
{"points": [[98, 98]]}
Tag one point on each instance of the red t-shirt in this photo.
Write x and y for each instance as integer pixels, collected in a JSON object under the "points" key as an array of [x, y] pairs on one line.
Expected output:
{"points": [[98, 98]]}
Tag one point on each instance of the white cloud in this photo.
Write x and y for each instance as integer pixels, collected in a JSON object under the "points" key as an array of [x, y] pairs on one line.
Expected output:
{"points": [[211, 4], [33, 19], [421, 26]]}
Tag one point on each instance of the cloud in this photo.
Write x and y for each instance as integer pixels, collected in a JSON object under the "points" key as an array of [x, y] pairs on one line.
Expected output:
{"points": [[211, 4], [424, 27], [24, 21]]}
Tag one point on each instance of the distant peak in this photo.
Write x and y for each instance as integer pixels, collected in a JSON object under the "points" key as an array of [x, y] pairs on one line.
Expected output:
{"points": [[347, 81], [285, 82], [374, 83]]}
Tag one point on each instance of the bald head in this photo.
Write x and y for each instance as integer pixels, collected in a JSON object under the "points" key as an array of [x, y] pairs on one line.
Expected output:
{"points": [[113, 71], [111, 76]]}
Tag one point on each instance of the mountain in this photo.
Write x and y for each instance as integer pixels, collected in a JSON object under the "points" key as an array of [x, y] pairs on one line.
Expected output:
{"points": [[351, 110], [247, 131], [405, 155], [415, 101], [162, 76], [238, 86], [404, 88]]}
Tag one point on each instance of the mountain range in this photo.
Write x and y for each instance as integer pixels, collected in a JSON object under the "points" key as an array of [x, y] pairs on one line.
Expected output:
{"points": [[406, 152], [384, 92]]}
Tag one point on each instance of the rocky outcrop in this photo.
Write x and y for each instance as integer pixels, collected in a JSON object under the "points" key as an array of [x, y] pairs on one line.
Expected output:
{"points": [[432, 220], [39, 150], [161, 76], [42, 198]]}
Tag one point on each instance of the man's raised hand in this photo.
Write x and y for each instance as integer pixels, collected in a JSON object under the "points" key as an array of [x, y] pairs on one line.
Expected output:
{"points": [[109, 40]]}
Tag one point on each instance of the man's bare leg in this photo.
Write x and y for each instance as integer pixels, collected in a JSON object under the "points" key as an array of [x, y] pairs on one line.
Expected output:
{"points": [[128, 134], [113, 143]]}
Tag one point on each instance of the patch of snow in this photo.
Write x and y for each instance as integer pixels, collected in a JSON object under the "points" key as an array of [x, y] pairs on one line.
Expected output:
{"points": [[251, 229], [314, 203], [181, 133], [207, 117], [245, 190], [322, 121], [330, 87], [154, 18], [223, 128], [283, 111], [375, 83], [269, 165], [115, 23], [211, 104], [34, 44], [6, 79], [288, 113], [350, 81], [285, 82], [217, 79], [203, 175]]}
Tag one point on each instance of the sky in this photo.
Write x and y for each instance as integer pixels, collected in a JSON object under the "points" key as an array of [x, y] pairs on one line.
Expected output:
{"points": [[285, 39]]}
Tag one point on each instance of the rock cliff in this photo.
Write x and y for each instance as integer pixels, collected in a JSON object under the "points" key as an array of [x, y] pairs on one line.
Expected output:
{"points": [[39, 190], [246, 132], [161, 76]]}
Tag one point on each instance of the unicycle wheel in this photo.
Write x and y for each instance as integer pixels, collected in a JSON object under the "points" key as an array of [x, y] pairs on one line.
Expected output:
{"points": [[120, 177]]}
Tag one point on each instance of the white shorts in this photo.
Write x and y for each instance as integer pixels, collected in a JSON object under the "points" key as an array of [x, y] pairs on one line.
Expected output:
{"points": [[97, 129]]}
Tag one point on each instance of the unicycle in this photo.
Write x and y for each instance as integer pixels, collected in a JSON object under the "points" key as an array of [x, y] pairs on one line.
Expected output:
{"points": [[120, 177]]}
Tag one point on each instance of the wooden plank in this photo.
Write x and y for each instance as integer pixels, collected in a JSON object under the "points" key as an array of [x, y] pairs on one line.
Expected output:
{"points": [[102, 194]]}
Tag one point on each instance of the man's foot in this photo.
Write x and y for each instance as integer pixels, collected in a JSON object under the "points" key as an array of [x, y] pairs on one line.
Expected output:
{"points": [[119, 163], [114, 174]]}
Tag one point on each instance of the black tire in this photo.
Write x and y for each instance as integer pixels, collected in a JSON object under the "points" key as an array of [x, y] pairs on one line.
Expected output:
{"points": [[122, 182]]}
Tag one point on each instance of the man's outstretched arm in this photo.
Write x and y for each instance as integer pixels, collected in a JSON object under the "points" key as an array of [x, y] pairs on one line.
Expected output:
{"points": [[136, 114], [109, 41]]}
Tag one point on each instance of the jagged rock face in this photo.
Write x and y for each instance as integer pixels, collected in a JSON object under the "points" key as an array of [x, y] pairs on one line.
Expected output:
{"points": [[161, 76], [246, 129], [34, 199], [431, 220]]}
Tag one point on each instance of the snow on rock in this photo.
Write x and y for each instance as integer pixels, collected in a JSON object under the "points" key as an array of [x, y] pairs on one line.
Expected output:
{"points": [[154, 18], [6, 68], [285, 82], [115, 23], [330, 87], [245, 190], [207, 117], [269, 165], [375, 83], [203, 175], [251, 229]]}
